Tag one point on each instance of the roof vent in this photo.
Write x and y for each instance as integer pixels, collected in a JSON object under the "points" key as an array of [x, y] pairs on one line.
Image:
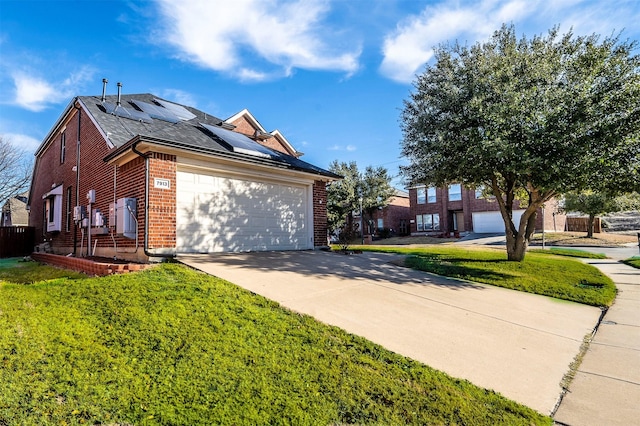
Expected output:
{"points": [[104, 89], [119, 90]]}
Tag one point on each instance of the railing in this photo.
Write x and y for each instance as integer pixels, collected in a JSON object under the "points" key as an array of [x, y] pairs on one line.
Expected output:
{"points": [[16, 240]]}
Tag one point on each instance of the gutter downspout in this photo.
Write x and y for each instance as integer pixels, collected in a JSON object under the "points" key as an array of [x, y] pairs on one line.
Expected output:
{"points": [[145, 246], [76, 105]]}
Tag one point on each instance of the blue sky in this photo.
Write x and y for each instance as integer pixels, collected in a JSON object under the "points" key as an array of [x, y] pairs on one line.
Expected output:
{"points": [[330, 75]]}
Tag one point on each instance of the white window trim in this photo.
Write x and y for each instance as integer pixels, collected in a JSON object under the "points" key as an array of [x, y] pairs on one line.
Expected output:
{"points": [[53, 197]]}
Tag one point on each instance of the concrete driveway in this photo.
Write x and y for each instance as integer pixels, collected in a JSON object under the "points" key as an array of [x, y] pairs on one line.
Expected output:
{"points": [[517, 344]]}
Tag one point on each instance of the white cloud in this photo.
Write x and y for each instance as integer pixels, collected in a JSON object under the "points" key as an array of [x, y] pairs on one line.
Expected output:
{"points": [[411, 45], [255, 40], [24, 142], [179, 96], [35, 93], [336, 147]]}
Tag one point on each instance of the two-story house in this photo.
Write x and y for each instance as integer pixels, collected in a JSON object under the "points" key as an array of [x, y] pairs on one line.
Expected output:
{"points": [[138, 177], [456, 209]]}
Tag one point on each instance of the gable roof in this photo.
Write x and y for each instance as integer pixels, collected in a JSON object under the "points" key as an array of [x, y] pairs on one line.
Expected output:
{"points": [[246, 114], [183, 127], [15, 210]]}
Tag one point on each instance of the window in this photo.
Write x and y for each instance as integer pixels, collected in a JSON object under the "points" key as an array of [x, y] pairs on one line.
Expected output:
{"points": [[53, 209], [431, 195], [67, 223], [428, 222], [63, 147], [426, 195], [380, 223], [455, 192]]}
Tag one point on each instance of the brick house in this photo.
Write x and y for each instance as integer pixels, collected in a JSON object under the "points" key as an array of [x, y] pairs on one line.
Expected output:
{"points": [[139, 178], [396, 215], [459, 209]]}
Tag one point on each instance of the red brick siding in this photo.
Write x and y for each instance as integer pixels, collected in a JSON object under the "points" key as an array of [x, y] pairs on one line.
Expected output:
{"points": [[319, 214], [162, 202], [94, 174], [49, 172], [396, 211]]}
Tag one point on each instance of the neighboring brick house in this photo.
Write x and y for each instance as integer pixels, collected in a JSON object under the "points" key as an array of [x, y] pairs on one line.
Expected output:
{"points": [[459, 209], [396, 215], [153, 178]]}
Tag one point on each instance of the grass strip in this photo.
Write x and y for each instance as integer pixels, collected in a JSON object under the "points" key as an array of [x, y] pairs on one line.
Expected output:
{"points": [[634, 261], [174, 346], [540, 273]]}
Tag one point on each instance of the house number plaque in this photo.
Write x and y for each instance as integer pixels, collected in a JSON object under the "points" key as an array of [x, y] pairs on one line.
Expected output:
{"points": [[162, 183]]}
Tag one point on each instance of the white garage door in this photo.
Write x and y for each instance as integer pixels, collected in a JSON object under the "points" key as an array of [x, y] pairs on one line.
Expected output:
{"points": [[491, 222], [222, 214]]}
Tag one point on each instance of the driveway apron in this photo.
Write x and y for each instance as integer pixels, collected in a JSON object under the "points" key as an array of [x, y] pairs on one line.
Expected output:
{"points": [[518, 344]]}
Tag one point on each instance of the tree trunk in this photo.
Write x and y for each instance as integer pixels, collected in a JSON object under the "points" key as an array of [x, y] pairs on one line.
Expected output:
{"points": [[592, 219], [516, 247]]}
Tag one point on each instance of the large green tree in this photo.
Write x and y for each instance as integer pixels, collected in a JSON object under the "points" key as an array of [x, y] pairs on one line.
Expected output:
{"points": [[343, 196], [537, 117]]}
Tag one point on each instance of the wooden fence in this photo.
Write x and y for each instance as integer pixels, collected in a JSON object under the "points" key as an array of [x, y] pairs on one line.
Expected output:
{"points": [[580, 224], [16, 240]]}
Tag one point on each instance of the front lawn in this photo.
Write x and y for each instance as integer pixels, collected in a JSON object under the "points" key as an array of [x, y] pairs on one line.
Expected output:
{"points": [[174, 346], [540, 273]]}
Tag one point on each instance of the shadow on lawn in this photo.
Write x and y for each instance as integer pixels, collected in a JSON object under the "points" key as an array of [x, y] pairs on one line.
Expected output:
{"points": [[445, 265]]}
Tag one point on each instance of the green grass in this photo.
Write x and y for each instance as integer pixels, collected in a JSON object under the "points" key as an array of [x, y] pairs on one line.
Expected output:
{"points": [[174, 346], [634, 261], [540, 273], [16, 270], [561, 251]]}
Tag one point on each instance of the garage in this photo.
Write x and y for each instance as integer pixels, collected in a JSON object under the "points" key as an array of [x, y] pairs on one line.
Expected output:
{"points": [[491, 222], [218, 213]]}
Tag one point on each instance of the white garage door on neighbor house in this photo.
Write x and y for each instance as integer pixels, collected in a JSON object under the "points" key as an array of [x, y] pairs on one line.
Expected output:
{"points": [[225, 214], [491, 222]]}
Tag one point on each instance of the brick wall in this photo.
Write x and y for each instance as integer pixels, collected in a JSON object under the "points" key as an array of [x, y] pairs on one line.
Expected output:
{"points": [[95, 174], [319, 213], [87, 266], [162, 202], [394, 213]]}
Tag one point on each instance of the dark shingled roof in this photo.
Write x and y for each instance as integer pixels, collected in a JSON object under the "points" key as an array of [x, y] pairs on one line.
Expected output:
{"points": [[184, 134]]}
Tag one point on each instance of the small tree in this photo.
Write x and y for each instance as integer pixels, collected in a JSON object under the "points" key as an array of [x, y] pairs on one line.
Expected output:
{"points": [[344, 196], [539, 117], [596, 203], [15, 170]]}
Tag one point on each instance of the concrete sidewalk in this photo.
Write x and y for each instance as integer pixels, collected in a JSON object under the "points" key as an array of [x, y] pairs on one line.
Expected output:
{"points": [[606, 388], [516, 343]]}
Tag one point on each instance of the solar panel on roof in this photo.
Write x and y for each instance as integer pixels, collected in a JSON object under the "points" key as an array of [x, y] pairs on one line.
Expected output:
{"points": [[239, 142], [181, 112], [156, 111], [124, 112]]}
